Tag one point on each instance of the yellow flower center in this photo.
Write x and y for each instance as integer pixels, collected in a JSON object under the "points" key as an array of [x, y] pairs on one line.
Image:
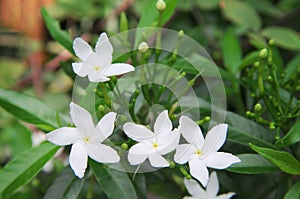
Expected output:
{"points": [[155, 145], [198, 152], [86, 139], [96, 68]]}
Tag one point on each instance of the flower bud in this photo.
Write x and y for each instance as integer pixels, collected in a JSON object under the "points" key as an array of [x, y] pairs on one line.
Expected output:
{"points": [[206, 118], [180, 34], [256, 64], [272, 126], [160, 5], [263, 53], [124, 146], [143, 47], [258, 107], [101, 108], [271, 42]]}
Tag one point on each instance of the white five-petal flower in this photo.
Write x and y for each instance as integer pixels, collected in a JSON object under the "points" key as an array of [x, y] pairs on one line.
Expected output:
{"points": [[200, 153], [212, 189], [97, 65], [152, 145], [86, 139]]}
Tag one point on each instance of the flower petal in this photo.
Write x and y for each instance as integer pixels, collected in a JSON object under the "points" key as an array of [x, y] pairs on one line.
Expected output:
{"points": [[118, 69], [188, 197], [220, 160], [156, 160], [63, 136], [212, 188], [199, 171], [78, 159], [102, 153], [184, 152], [81, 48], [104, 127], [82, 119], [137, 132], [135, 159], [163, 123], [194, 188], [169, 142], [226, 195], [191, 131], [142, 148], [103, 46], [215, 138], [78, 68]]}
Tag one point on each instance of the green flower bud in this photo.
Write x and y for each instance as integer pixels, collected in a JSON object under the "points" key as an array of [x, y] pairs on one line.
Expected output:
{"points": [[258, 107], [272, 126], [160, 5], [263, 53], [101, 108], [206, 118], [180, 34], [143, 47], [271, 42], [124, 146], [248, 113], [256, 64]]}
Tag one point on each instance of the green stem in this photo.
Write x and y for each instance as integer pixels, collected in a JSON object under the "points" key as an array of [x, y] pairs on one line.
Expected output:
{"points": [[89, 194], [105, 94]]}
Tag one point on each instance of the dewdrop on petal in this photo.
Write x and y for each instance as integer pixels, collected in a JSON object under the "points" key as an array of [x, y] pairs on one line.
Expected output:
{"points": [[160, 5], [143, 47]]}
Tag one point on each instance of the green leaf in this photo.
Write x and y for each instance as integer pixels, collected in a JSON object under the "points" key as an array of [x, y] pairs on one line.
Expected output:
{"points": [[291, 137], [139, 183], [249, 59], [294, 192], [284, 37], [231, 51], [24, 167], [244, 131], [285, 161], [150, 15], [291, 69], [59, 35], [18, 138], [116, 184], [208, 5], [266, 8], [29, 109], [252, 164], [242, 14], [66, 185]]}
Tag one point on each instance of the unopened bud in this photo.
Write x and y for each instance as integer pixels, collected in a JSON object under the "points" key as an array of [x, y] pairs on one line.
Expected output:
{"points": [[263, 53], [143, 47], [258, 107], [271, 42], [124, 146], [206, 118], [256, 64], [272, 126], [101, 108], [160, 5], [180, 33]]}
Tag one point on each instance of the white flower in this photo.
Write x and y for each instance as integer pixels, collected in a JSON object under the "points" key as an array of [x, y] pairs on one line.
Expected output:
{"points": [[152, 145], [97, 65], [212, 189], [201, 153], [86, 139]]}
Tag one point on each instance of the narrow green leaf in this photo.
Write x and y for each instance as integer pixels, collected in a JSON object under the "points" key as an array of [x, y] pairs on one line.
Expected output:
{"points": [[29, 109], [285, 161], [66, 185], [244, 131], [291, 69], [294, 192], [139, 183], [266, 8], [252, 164], [291, 137], [249, 59], [24, 167], [284, 37], [242, 14], [208, 5], [150, 15], [18, 138], [115, 184], [56, 32], [231, 51]]}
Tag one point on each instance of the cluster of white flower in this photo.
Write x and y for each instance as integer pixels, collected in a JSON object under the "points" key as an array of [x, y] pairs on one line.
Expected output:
{"points": [[86, 138]]}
